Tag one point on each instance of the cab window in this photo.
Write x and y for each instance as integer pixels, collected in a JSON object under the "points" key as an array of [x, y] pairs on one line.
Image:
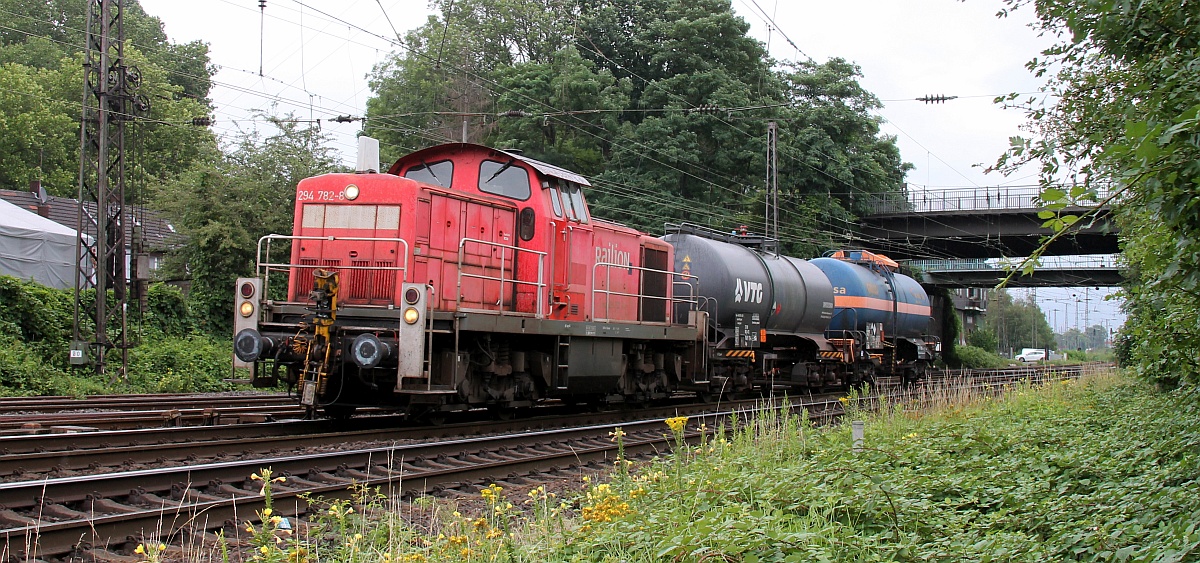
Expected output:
{"points": [[555, 198], [438, 173], [504, 179], [573, 201]]}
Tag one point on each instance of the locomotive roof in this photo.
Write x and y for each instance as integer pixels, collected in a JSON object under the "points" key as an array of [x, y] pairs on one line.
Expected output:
{"points": [[542, 167]]}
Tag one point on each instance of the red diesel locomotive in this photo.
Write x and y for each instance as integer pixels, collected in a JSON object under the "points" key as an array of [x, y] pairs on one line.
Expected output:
{"points": [[469, 277]]}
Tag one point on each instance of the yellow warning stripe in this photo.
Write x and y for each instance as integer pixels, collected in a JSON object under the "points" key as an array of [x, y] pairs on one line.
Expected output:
{"points": [[739, 354]]}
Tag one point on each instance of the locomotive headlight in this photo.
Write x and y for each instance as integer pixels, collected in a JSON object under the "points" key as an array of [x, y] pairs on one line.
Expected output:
{"points": [[351, 192], [247, 290], [412, 295], [411, 315], [246, 309]]}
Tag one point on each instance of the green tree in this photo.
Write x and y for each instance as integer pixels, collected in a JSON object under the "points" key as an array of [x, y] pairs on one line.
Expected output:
{"points": [[1017, 323], [40, 68], [984, 339], [35, 130], [223, 208], [1121, 113], [611, 89], [587, 103]]}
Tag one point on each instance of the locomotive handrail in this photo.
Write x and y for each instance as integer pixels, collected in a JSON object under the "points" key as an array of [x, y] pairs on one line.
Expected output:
{"points": [[670, 300], [540, 283], [265, 268]]}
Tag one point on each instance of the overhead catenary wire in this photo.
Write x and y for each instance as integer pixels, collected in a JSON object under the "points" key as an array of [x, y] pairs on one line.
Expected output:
{"points": [[713, 181]]}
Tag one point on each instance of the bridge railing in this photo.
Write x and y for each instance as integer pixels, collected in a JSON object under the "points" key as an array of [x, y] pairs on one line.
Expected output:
{"points": [[1090, 262], [965, 199]]}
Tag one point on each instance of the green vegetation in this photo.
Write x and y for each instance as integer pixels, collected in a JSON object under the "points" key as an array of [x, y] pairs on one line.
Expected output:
{"points": [[1014, 324], [664, 104], [40, 81], [1119, 116], [973, 357], [1099, 469], [171, 355]]}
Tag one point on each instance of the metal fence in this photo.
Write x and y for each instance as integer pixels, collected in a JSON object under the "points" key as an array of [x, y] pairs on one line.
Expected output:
{"points": [[969, 199], [1090, 262]]}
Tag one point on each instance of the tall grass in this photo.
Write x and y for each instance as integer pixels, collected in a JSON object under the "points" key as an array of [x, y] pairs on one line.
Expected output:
{"points": [[1099, 469]]}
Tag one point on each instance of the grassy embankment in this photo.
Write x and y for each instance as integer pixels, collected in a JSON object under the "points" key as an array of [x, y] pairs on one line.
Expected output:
{"points": [[1101, 469]]}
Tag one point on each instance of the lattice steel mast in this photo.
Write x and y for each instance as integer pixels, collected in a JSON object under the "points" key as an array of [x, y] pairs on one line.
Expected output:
{"points": [[109, 102]]}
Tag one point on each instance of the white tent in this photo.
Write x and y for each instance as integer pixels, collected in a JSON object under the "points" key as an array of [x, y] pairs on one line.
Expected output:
{"points": [[34, 247]]}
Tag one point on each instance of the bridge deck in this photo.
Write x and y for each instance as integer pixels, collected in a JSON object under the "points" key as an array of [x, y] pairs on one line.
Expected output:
{"points": [[978, 223]]}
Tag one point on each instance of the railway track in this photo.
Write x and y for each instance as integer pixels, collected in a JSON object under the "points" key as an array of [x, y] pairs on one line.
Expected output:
{"points": [[45, 415], [56, 403], [94, 515], [89, 493]]}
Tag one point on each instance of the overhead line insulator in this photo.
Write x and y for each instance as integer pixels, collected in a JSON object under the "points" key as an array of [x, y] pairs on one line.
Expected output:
{"points": [[936, 98]]}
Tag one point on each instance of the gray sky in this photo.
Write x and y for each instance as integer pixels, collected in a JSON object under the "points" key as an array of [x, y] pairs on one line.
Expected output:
{"points": [[317, 66]]}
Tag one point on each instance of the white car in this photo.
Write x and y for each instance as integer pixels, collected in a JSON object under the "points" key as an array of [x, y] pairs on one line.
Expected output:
{"points": [[1031, 355]]}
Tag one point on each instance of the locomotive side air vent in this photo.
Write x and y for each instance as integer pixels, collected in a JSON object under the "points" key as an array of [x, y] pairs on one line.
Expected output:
{"points": [[574, 309]]}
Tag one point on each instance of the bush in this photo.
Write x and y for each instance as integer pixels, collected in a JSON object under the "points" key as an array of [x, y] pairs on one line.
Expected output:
{"points": [[195, 363], [978, 358], [167, 311], [23, 372], [41, 314], [36, 330]]}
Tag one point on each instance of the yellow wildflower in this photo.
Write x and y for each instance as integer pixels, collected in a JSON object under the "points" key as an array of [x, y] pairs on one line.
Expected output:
{"points": [[676, 424]]}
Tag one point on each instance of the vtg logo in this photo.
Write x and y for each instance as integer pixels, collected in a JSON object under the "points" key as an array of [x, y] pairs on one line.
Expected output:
{"points": [[747, 291]]}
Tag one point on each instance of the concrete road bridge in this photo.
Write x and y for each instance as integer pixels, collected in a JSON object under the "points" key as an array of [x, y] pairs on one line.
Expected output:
{"points": [[978, 223]]}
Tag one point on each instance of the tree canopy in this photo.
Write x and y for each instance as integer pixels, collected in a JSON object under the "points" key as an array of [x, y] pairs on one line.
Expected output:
{"points": [[663, 103], [1122, 115], [41, 74]]}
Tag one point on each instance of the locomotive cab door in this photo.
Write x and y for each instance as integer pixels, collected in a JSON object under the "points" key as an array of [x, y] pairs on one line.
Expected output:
{"points": [[571, 251]]}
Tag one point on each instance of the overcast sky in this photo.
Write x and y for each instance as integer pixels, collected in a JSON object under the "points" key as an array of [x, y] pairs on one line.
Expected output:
{"points": [[316, 65]]}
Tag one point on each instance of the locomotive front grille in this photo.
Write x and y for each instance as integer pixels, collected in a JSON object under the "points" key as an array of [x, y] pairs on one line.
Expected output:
{"points": [[370, 281]]}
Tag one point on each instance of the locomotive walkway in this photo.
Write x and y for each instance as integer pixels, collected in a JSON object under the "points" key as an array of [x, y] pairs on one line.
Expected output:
{"points": [[978, 223]]}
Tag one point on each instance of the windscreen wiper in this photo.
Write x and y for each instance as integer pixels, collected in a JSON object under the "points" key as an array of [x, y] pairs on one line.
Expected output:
{"points": [[501, 170], [432, 173]]}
